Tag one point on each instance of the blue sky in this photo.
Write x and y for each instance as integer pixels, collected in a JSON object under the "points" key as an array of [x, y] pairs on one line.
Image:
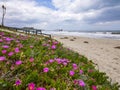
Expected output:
{"points": [[46, 3], [66, 14]]}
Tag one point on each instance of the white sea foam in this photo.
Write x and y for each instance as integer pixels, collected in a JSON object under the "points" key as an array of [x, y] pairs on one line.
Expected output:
{"points": [[86, 34]]}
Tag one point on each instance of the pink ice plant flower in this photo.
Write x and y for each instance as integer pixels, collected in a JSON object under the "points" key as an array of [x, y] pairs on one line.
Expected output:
{"points": [[58, 60], [46, 63], [31, 59], [12, 67], [46, 70], [31, 86], [53, 47], [2, 33], [44, 44], [4, 51], [1, 40], [81, 83], [10, 53], [81, 71], [20, 45], [7, 62], [51, 61], [74, 66], [2, 58], [75, 82], [8, 39], [64, 63], [8, 42], [17, 41], [71, 73], [55, 43], [18, 82], [90, 71], [5, 46], [18, 62], [17, 50], [31, 46], [40, 88], [94, 87]]}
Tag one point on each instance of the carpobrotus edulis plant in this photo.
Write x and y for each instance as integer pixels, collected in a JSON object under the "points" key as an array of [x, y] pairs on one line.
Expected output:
{"points": [[40, 63]]}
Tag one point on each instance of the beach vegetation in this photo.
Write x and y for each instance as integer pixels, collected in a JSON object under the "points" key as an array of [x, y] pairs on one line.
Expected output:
{"points": [[40, 63]]}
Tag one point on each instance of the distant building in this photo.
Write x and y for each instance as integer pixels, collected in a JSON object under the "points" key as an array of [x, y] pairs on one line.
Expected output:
{"points": [[60, 29]]}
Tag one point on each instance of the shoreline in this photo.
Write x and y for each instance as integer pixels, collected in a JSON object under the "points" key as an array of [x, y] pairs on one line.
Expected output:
{"points": [[104, 52], [101, 35]]}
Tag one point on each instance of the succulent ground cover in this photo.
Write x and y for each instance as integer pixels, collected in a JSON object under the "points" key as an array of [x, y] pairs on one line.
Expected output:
{"points": [[41, 63]]}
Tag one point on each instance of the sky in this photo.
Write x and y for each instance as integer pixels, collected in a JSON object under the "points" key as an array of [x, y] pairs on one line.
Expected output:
{"points": [[63, 14]]}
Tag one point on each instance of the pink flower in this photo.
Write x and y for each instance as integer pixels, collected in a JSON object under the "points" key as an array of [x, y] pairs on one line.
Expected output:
{"points": [[46, 63], [20, 45], [17, 50], [75, 81], [12, 67], [71, 73], [31, 46], [51, 60], [31, 86], [4, 51], [31, 59], [46, 70], [7, 62], [94, 87], [17, 41], [10, 53], [5, 46], [55, 43], [53, 47], [8, 42], [81, 83], [40, 88], [74, 66], [90, 71], [64, 63], [1, 40], [18, 62], [8, 39], [81, 71], [44, 44], [2, 33], [2, 58], [18, 82], [58, 60]]}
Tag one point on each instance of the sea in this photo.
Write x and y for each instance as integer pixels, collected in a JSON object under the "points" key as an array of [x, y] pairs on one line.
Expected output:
{"points": [[91, 34]]}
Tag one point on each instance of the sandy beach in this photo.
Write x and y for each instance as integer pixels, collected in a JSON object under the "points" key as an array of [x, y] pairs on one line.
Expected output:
{"points": [[104, 52]]}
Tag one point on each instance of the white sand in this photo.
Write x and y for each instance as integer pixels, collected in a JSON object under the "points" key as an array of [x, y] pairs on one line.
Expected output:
{"points": [[100, 51]]}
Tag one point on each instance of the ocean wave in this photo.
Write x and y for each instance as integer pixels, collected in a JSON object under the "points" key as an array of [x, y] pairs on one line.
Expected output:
{"points": [[86, 34]]}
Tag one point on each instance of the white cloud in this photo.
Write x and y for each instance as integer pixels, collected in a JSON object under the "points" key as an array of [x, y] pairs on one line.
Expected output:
{"points": [[25, 11], [68, 13], [73, 5]]}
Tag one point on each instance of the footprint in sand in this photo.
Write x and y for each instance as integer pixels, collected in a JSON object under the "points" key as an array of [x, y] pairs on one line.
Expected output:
{"points": [[72, 40], [64, 38]]}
